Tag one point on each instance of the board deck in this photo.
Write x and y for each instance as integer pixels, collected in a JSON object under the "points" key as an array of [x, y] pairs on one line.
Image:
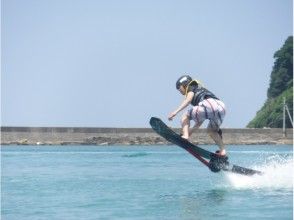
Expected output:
{"points": [[214, 162]]}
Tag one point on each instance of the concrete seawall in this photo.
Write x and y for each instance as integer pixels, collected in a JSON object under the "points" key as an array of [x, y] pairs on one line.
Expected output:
{"points": [[131, 136]]}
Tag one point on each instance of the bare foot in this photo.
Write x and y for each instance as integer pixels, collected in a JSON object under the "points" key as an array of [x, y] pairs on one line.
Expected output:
{"points": [[185, 137], [221, 152]]}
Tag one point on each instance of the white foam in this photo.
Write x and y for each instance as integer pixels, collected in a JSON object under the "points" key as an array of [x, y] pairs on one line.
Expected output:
{"points": [[278, 174]]}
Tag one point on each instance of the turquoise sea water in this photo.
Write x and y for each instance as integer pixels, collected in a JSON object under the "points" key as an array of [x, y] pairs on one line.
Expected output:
{"points": [[142, 182]]}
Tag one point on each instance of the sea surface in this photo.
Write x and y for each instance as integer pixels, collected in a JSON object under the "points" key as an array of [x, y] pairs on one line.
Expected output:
{"points": [[143, 182]]}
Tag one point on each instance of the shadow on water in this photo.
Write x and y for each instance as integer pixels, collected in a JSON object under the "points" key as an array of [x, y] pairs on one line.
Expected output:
{"points": [[199, 204], [141, 154]]}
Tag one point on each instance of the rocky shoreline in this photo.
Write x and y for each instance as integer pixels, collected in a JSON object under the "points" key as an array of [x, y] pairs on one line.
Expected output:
{"points": [[133, 136]]}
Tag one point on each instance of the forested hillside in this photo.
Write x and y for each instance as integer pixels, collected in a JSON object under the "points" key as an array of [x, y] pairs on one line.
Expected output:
{"points": [[281, 85]]}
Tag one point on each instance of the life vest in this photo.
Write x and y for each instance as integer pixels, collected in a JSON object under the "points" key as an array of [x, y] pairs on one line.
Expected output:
{"points": [[200, 93]]}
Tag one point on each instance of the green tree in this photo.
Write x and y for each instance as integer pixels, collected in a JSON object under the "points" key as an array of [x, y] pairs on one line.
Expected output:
{"points": [[281, 85], [282, 74]]}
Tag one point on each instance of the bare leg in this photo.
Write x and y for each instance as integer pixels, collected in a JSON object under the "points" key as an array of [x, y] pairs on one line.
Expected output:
{"points": [[217, 139], [185, 126], [196, 126]]}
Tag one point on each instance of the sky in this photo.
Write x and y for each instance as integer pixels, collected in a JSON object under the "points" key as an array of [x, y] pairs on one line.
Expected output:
{"points": [[112, 63]]}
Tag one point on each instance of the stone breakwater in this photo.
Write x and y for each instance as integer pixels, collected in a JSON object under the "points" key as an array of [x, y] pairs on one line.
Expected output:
{"points": [[132, 136]]}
